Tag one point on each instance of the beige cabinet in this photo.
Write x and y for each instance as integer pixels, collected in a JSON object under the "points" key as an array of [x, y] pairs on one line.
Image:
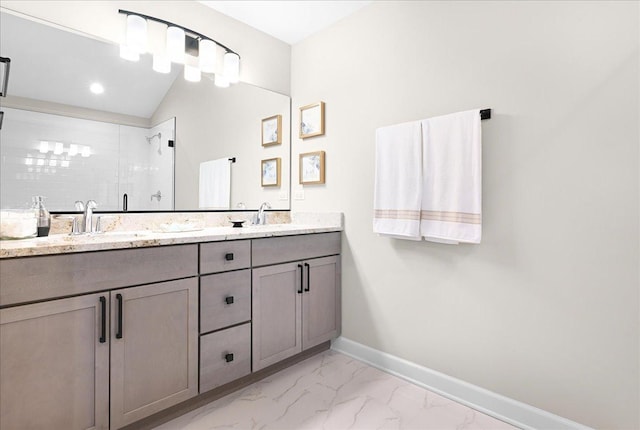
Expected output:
{"points": [[54, 364], [59, 359], [295, 306], [154, 348]]}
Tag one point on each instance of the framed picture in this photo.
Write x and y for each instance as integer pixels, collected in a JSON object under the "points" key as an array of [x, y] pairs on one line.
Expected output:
{"points": [[271, 172], [272, 130], [312, 168], [312, 120]]}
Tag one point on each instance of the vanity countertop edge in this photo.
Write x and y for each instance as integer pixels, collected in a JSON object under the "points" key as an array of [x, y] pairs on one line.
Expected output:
{"points": [[63, 244]]}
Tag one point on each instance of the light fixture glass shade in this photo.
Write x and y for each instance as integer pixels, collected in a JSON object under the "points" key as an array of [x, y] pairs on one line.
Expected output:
{"points": [[208, 56], [232, 67], [192, 73], [44, 147], [221, 81], [86, 151], [128, 53], [175, 44], [161, 63], [137, 33]]}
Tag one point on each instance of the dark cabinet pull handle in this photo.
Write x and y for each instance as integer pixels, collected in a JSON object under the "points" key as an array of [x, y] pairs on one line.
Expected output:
{"points": [[103, 319], [306, 265], [229, 300], [119, 327], [301, 278], [229, 256], [125, 202], [228, 357]]}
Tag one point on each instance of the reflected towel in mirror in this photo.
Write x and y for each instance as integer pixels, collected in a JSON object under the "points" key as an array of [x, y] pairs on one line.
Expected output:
{"points": [[215, 184]]}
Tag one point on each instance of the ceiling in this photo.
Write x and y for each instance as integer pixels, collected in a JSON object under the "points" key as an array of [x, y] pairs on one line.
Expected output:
{"points": [[290, 21], [54, 65]]}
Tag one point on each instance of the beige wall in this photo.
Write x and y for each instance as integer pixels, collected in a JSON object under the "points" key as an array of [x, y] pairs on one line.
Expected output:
{"points": [[546, 309], [265, 60]]}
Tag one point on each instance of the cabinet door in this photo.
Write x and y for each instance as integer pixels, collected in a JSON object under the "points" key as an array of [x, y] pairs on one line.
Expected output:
{"points": [[154, 348], [321, 310], [54, 369], [277, 293]]}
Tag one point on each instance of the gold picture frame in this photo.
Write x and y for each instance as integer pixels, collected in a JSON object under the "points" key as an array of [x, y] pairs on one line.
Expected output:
{"points": [[272, 130], [312, 120], [312, 168], [270, 172]]}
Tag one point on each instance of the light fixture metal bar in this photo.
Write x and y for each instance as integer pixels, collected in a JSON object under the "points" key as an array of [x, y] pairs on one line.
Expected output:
{"points": [[187, 30]]}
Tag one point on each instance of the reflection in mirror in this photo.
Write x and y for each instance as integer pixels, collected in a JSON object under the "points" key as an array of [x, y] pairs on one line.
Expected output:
{"points": [[50, 155], [54, 104]]}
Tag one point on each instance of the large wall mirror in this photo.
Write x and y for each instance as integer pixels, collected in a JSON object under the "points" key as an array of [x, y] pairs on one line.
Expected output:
{"points": [[161, 140]]}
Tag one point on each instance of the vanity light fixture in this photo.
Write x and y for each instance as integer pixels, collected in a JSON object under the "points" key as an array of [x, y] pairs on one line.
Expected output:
{"points": [[175, 44], [183, 46], [136, 33], [232, 67]]}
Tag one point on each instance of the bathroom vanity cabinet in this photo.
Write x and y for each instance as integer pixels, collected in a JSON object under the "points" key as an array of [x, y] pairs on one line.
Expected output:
{"points": [[296, 305], [225, 312], [60, 358], [101, 340]]}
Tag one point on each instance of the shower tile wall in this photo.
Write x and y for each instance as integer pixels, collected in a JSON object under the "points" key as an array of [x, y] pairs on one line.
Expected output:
{"points": [[65, 177]]}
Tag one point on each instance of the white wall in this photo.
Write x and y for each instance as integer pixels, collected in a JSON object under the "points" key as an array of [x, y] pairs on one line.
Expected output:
{"points": [[264, 60], [546, 309]]}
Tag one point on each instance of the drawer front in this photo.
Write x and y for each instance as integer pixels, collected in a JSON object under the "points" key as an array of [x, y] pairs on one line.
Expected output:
{"points": [[217, 367], [225, 299], [45, 277], [282, 249], [223, 256]]}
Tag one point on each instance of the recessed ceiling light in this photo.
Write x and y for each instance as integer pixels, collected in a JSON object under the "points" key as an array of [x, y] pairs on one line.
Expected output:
{"points": [[96, 88]]}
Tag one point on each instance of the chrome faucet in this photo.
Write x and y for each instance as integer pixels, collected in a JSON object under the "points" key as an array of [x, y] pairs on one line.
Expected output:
{"points": [[87, 218], [261, 217], [76, 227]]}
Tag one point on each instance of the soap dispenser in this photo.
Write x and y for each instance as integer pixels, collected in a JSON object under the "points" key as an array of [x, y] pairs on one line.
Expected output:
{"points": [[44, 218]]}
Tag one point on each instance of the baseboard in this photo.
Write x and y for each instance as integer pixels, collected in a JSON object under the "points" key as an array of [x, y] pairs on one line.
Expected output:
{"points": [[503, 408]]}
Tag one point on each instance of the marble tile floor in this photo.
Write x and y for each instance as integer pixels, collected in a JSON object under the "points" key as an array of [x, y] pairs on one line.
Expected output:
{"points": [[333, 391]]}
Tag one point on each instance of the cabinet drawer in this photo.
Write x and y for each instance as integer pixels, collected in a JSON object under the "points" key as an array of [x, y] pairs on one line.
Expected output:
{"points": [[225, 356], [38, 278], [223, 256], [216, 291], [275, 250]]}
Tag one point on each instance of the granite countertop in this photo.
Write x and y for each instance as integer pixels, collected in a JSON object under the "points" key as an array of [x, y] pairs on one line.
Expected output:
{"points": [[64, 243]]}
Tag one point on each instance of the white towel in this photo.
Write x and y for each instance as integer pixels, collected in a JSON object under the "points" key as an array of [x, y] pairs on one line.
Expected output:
{"points": [[215, 184], [452, 178], [398, 188]]}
